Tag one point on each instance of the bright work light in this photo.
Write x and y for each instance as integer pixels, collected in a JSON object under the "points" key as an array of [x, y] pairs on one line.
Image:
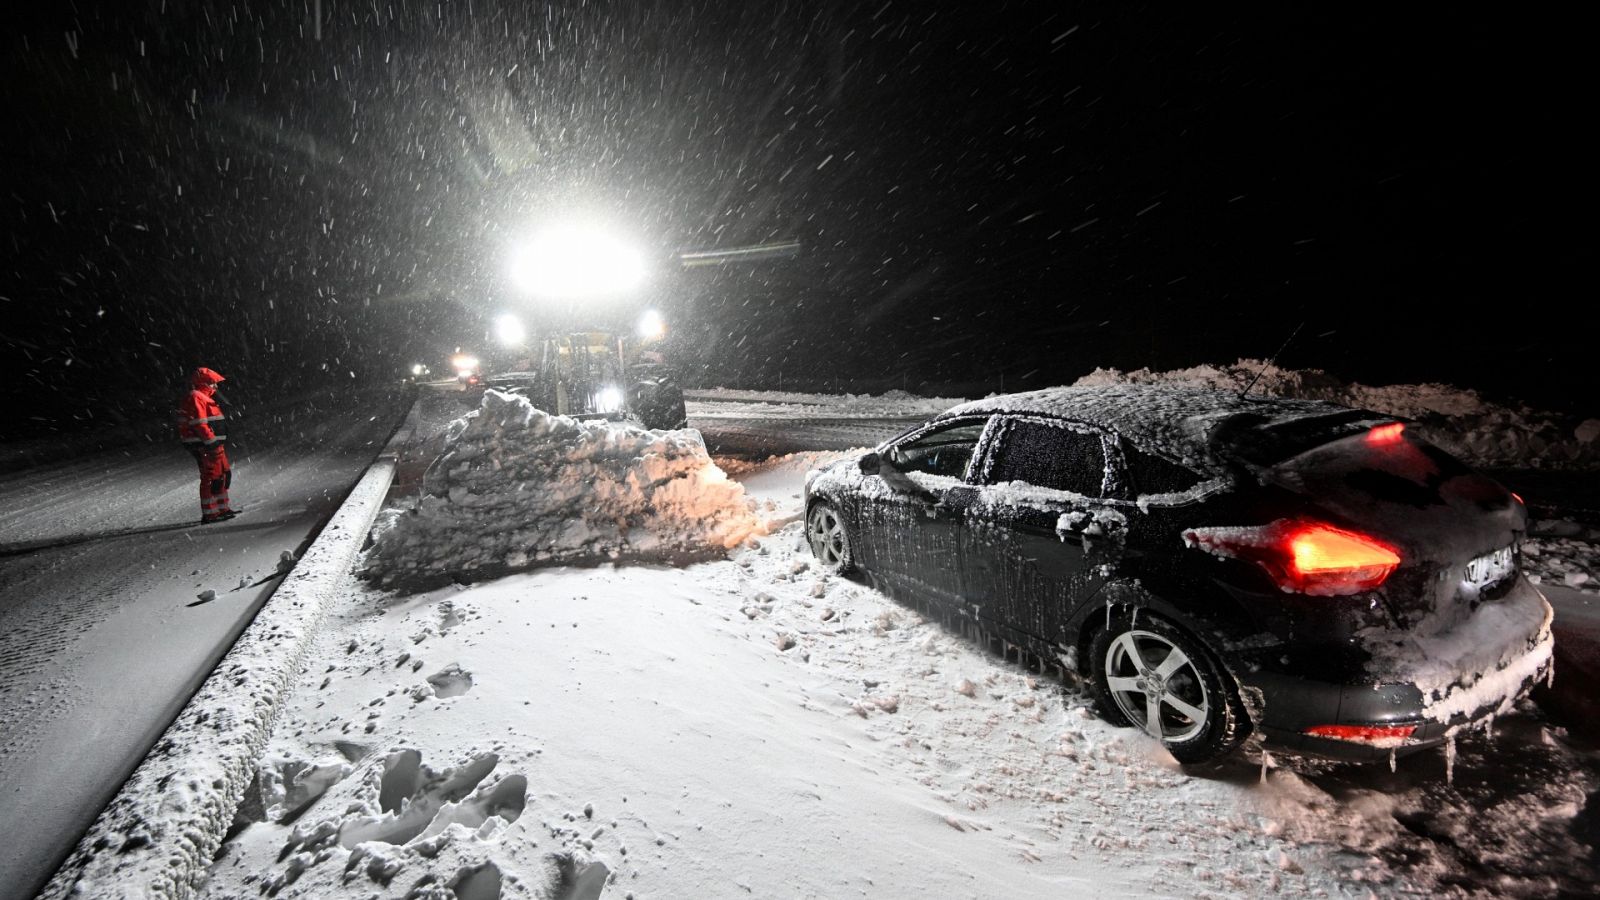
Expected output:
{"points": [[575, 262], [508, 330]]}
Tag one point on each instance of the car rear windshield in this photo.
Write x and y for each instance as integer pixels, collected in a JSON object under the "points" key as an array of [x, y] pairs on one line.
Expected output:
{"points": [[1403, 469], [1263, 441]]}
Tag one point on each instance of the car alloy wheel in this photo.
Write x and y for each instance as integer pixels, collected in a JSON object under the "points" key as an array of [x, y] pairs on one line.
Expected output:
{"points": [[829, 541], [1158, 678], [1156, 686]]}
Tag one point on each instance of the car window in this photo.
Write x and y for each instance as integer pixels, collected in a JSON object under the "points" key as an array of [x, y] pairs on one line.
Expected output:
{"points": [[1151, 474], [1050, 455], [943, 451]]}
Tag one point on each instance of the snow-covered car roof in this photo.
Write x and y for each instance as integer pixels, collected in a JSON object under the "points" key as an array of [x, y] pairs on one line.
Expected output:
{"points": [[1177, 422]]}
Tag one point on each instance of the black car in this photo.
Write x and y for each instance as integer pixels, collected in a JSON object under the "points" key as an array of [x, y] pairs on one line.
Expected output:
{"points": [[1215, 565]]}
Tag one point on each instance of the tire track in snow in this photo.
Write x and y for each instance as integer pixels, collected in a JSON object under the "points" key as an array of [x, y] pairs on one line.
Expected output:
{"points": [[42, 628], [106, 492]]}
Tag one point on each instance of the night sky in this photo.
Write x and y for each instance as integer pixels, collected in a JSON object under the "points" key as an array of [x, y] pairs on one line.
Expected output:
{"points": [[984, 192]]}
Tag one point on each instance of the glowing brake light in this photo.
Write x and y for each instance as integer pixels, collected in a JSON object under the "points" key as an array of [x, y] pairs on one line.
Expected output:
{"points": [[1518, 497], [1317, 550], [1383, 435], [1371, 735], [1304, 557]]}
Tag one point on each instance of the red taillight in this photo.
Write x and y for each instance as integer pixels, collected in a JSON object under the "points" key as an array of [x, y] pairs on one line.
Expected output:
{"points": [[1371, 735], [1324, 552], [1518, 497], [1305, 557], [1390, 433]]}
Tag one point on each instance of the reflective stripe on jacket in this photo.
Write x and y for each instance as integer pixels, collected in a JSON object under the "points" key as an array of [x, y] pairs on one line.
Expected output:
{"points": [[200, 420]]}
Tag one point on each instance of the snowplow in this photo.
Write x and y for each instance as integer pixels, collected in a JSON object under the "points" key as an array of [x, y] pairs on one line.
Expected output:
{"points": [[575, 273], [595, 373]]}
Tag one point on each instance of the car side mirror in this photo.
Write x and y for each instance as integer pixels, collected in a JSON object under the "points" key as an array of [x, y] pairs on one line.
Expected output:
{"points": [[870, 464]]}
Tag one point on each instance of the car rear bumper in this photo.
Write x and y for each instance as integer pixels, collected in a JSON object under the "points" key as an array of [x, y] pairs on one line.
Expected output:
{"points": [[1437, 704]]}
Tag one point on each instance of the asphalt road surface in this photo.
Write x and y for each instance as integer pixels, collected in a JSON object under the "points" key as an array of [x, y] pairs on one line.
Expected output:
{"points": [[105, 629]]}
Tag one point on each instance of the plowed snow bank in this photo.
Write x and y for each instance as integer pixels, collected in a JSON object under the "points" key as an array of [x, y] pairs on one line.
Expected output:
{"points": [[516, 488]]}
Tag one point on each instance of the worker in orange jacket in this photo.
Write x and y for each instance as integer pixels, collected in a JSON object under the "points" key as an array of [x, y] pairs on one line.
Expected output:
{"points": [[204, 431]]}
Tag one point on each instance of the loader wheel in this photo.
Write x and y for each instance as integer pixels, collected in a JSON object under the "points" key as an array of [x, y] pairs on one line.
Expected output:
{"points": [[659, 404]]}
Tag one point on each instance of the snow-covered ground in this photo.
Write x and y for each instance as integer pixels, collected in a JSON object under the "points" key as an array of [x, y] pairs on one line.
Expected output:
{"points": [[717, 403], [746, 726]]}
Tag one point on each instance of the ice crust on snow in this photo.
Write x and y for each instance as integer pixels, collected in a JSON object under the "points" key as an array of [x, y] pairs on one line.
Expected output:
{"points": [[516, 487]]}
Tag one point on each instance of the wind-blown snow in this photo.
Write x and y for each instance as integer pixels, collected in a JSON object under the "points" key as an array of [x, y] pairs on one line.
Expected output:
{"points": [[516, 487]]}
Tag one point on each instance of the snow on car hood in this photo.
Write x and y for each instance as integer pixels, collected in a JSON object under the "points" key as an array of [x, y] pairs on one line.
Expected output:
{"points": [[516, 487]]}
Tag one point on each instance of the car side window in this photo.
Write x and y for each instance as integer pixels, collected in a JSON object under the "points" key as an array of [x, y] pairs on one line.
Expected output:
{"points": [[943, 451], [1050, 455], [1151, 474]]}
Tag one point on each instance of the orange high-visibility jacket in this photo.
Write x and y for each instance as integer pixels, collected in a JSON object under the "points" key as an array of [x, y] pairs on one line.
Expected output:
{"points": [[200, 419]]}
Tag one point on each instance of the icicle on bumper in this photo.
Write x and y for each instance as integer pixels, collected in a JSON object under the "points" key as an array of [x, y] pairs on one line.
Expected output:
{"points": [[516, 488]]}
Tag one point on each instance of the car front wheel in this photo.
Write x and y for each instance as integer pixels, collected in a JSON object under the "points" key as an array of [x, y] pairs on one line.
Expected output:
{"points": [[830, 542], [1152, 675]]}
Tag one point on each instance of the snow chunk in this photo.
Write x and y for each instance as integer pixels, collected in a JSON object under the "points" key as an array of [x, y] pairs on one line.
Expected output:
{"points": [[516, 488]]}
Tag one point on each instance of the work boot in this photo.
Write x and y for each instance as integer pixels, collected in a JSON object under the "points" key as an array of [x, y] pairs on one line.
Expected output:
{"points": [[214, 517], [227, 513]]}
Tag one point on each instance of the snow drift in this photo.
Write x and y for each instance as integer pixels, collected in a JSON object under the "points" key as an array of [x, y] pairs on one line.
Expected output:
{"points": [[516, 487]]}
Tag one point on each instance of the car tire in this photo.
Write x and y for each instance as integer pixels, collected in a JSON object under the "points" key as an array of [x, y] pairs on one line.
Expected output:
{"points": [[829, 539], [1200, 716]]}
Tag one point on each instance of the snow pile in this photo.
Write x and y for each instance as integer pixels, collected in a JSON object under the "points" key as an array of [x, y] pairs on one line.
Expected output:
{"points": [[1457, 419], [786, 469], [1560, 551], [516, 487]]}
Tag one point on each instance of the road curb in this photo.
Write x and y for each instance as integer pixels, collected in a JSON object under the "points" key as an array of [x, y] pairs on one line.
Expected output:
{"points": [[161, 831]]}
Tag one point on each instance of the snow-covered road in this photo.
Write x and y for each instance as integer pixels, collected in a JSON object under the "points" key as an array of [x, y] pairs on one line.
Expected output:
{"points": [[104, 626]]}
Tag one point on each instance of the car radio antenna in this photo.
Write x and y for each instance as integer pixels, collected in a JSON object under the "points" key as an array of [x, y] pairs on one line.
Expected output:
{"points": [[1271, 359]]}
